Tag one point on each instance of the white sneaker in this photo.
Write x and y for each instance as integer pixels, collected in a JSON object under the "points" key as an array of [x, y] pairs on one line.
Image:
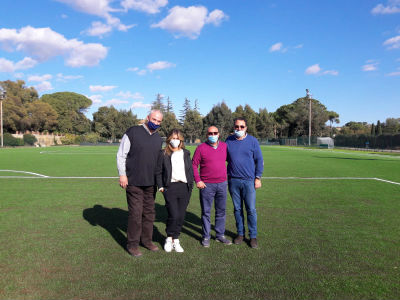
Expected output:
{"points": [[177, 246], [168, 244]]}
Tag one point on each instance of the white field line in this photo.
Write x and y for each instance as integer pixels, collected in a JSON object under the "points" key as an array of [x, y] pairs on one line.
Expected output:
{"points": [[333, 178], [342, 152], [74, 153], [388, 181], [25, 172], [322, 178], [41, 176]]}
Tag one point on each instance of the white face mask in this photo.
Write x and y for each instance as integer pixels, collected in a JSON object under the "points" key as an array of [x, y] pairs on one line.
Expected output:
{"points": [[239, 133], [175, 143]]}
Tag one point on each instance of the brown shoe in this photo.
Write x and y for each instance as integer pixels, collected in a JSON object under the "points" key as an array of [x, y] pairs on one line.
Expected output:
{"points": [[253, 243], [135, 252], [238, 240], [151, 247]]}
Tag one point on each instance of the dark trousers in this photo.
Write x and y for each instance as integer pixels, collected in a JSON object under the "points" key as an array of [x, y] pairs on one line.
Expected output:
{"points": [[141, 214], [176, 197]]}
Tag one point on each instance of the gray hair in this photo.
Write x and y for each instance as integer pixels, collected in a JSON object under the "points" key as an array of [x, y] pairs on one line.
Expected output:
{"points": [[156, 111]]}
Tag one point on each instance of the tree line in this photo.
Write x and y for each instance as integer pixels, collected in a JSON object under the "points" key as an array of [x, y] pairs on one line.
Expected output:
{"points": [[64, 112]]}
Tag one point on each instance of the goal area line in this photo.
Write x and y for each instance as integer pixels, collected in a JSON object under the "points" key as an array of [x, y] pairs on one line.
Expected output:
{"points": [[41, 176]]}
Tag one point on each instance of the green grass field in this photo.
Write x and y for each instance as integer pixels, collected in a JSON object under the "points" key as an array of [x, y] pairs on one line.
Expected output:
{"points": [[330, 231]]}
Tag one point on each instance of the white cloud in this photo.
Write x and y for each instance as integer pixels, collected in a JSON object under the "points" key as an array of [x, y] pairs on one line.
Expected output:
{"points": [[189, 21], [95, 98], [138, 71], [129, 95], [216, 17], [159, 65], [393, 7], [371, 65], [116, 102], [64, 16], [100, 8], [98, 29], [6, 65], [43, 87], [397, 73], [330, 72], [276, 47], [44, 43], [393, 43], [9, 66], [101, 88], [19, 75], [316, 70], [26, 63], [61, 77], [39, 78], [148, 6], [140, 105]]}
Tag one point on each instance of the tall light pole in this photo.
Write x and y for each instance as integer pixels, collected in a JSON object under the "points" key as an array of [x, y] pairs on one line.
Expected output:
{"points": [[308, 96], [2, 97]]}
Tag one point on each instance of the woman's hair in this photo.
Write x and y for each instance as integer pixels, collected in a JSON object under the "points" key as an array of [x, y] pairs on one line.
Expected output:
{"points": [[168, 148]]}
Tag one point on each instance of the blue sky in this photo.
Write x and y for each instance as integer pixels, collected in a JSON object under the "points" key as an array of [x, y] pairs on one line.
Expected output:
{"points": [[261, 53]]}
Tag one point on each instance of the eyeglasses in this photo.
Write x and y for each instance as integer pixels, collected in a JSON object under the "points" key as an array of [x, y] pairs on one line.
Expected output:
{"points": [[241, 126], [212, 133]]}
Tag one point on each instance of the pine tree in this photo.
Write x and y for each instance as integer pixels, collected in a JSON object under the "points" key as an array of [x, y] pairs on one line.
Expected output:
{"points": [[158, 103], [169, 106], [221, 117], [183, 112], [378, 128], [196, 106], [372, 129]]}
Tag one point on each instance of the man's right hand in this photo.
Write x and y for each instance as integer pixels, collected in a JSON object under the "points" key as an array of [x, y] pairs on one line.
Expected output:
{"points": [[201, 185], [123, 181]]}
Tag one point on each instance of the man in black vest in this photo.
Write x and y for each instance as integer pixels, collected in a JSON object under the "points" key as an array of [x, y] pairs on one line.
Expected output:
{"points": [[136, 162]]}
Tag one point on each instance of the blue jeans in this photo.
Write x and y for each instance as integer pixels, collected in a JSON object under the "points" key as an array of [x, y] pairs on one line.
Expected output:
{"points": [[243, 191], [216, 192]]}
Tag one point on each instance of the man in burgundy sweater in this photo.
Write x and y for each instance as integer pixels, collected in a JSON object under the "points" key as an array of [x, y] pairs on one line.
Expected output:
{"points": [[212, 183]]}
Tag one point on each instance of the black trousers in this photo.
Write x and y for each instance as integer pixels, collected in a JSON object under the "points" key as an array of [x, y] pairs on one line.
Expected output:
{"points": [[176, 197]]}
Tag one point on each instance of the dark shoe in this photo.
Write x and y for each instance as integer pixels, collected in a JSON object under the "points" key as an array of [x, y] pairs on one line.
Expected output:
{"points": [[238, 240], [253, 243], [151, 247], [223, 240], [135, 252]]}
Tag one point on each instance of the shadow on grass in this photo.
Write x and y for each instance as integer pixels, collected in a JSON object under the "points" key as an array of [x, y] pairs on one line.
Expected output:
{"points": [[115, 221]]}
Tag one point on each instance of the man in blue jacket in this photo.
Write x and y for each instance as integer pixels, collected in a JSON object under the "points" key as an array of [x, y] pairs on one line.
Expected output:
{"points": [[245, 168]]}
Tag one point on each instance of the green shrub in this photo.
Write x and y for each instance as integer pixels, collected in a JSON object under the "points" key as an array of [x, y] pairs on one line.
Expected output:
{"points": [[29, 139], [91, 137], [68, 139], [9, 140]]}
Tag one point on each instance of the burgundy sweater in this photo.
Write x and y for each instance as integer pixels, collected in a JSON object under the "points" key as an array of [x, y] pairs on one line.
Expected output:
{"points": [[212, 163]]}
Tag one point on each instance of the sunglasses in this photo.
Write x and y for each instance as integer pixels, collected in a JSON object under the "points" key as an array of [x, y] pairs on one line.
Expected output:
{"points": [[212, 133], [241, 126]]}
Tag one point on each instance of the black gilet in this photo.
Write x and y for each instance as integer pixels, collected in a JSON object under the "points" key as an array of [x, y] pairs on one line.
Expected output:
{"points": [[142, 156]]}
